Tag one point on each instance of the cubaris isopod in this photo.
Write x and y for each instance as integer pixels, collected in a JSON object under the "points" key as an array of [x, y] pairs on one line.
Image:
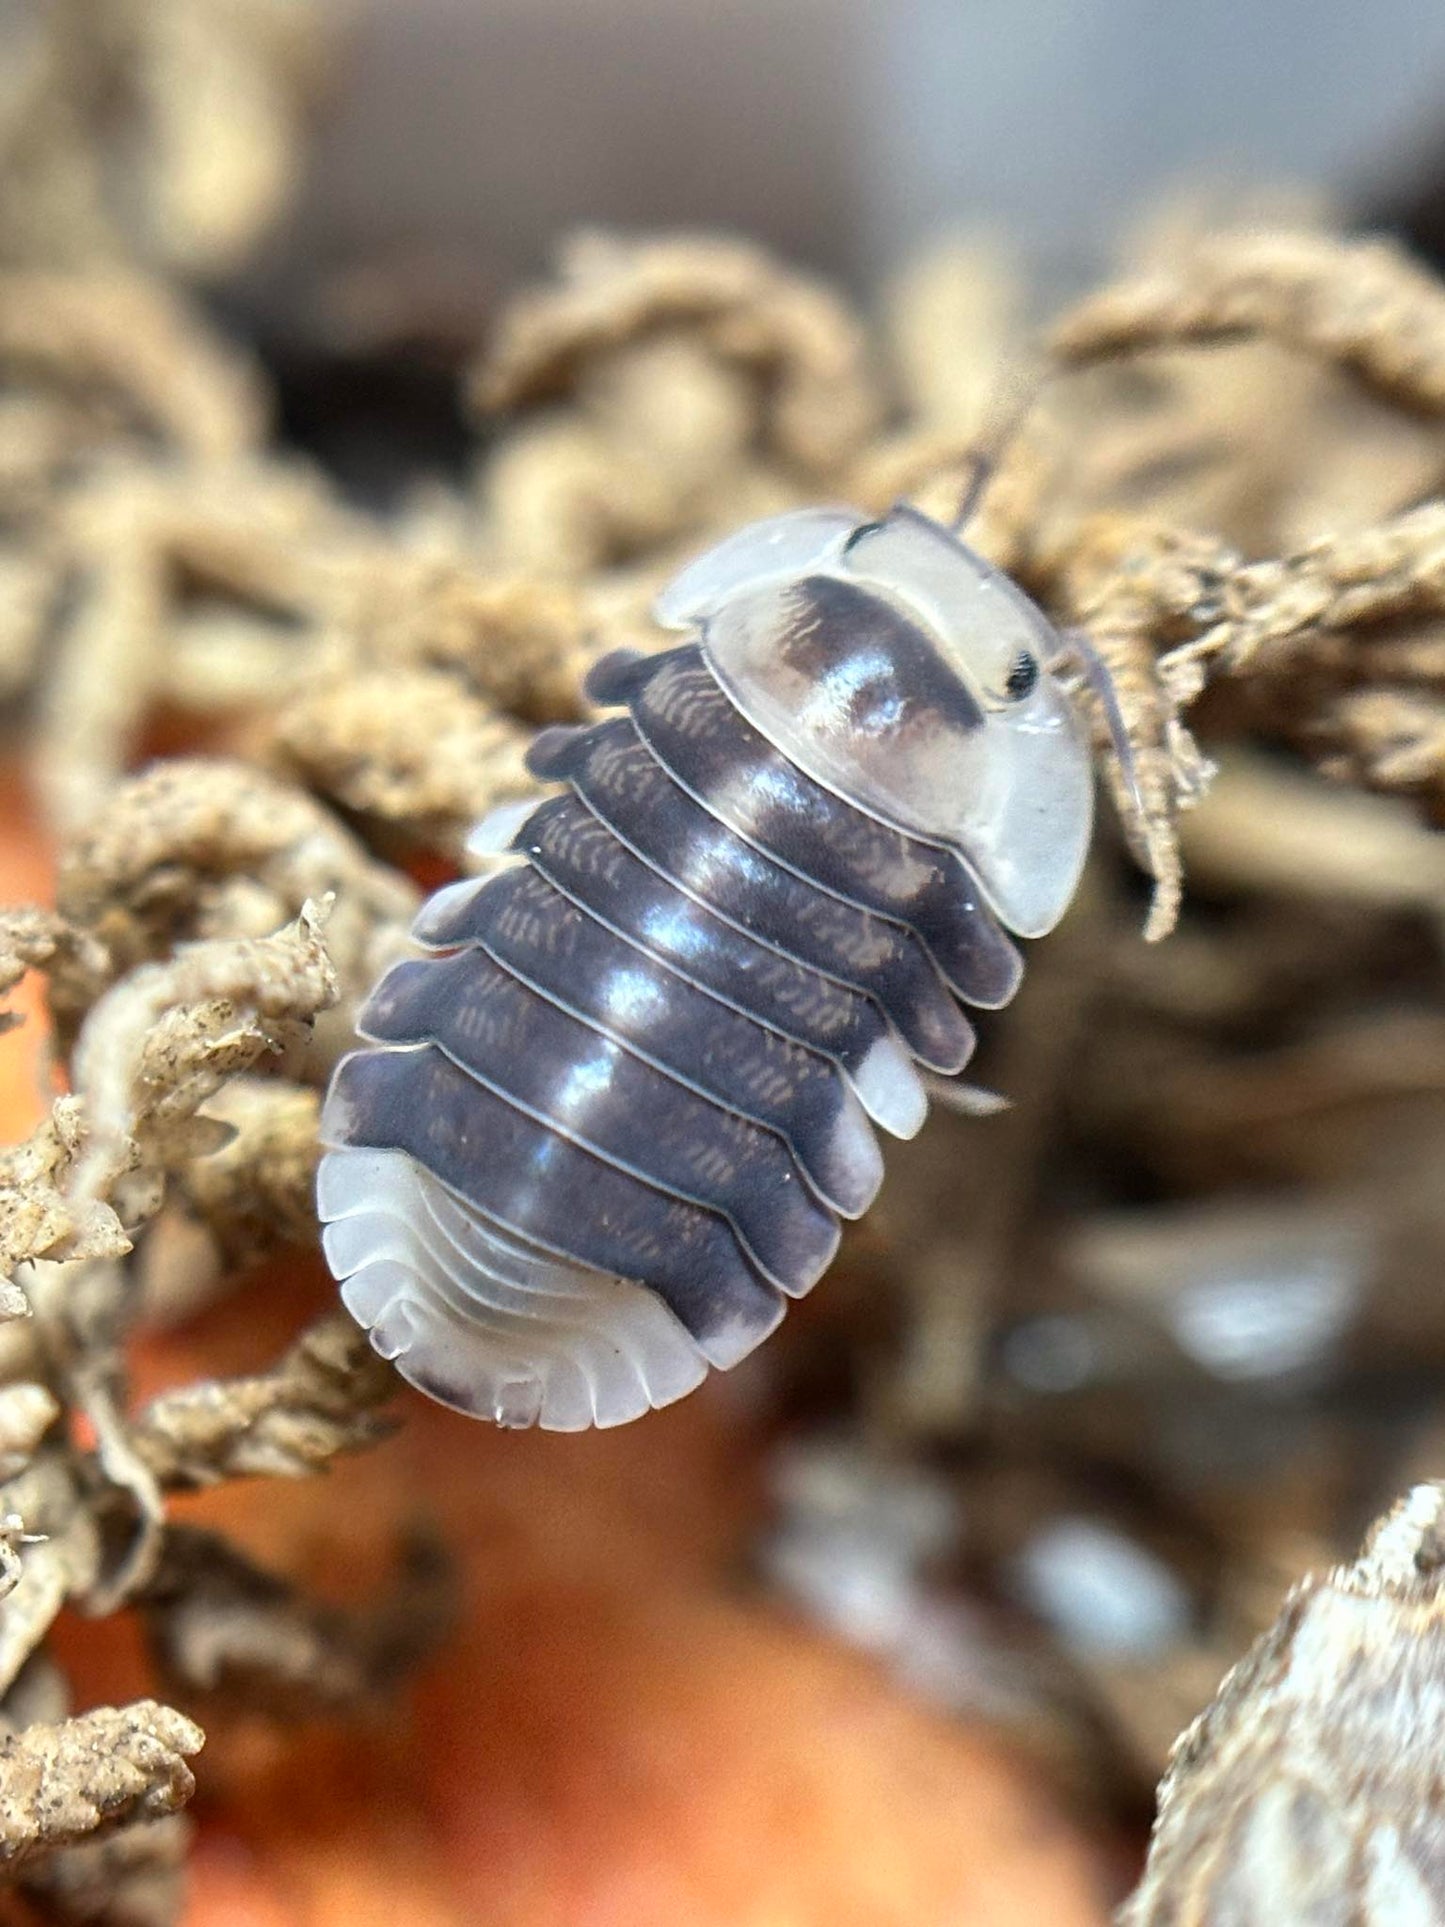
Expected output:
{"points": [[594, 1142]]}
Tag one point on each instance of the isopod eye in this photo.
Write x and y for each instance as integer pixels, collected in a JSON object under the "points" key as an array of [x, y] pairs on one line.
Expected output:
{"points": [[861, 534], [1023, 675]]}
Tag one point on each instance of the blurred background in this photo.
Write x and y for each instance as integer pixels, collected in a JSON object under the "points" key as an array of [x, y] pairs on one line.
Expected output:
{"points": [[843, 133], [447, 145]]}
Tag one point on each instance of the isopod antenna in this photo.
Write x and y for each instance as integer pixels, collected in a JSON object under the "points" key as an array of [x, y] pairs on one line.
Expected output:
{"points": [[1013, 402], [1078, 652]]}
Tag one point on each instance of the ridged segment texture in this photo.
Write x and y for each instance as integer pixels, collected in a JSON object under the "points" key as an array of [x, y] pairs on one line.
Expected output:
{"points": [[594, 1142]]}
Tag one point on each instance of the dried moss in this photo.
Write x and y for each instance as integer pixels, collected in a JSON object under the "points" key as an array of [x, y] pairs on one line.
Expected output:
{"points": [[1220, 481], [1311, 1776], [62, 1784]]}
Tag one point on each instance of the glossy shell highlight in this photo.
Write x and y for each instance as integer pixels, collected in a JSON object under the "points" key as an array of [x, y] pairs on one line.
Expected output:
{"points": [[594, 1141]]}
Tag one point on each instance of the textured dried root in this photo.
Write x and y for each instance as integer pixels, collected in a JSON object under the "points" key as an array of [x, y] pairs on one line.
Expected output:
{"points": [[317, 1402], [1363, 306], [520, 643], [1307, 631], [1137, 590], [55, 1539], [62, 1784], [1128, 587], [1387, 739], [104, 665], [30, 587], [217, 590], [790, 332], [264, 534], [163, 1040], [133, 346], [568, 497], [27, 1412], [36, 1219], [134, 1876], [169, 130], [31, 939], [95, 1390], [410, 748], [220, 1626], [223, 91], [179, 579], [257, 1192], [1309, 1789], [663, 442], [39, 1216], [200, 848], [1276, 612], [82, 1313], [43, 435]]}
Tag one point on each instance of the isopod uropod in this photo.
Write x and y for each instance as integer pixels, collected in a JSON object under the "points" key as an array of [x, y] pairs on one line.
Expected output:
{"points": [[594, 1142]]}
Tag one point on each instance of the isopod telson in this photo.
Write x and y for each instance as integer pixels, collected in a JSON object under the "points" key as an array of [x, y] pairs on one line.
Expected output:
{"points": [[592, 1144]]}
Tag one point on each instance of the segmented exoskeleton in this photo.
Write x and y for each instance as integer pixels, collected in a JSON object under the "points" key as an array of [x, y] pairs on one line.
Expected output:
{"points": [[597, 1139]]}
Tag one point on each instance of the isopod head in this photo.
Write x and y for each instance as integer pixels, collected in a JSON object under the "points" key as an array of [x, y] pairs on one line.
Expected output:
{"points": [[899, 668]]}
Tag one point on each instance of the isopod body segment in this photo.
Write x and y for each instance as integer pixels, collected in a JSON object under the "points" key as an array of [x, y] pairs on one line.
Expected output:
{"points": [[596, 1137]]}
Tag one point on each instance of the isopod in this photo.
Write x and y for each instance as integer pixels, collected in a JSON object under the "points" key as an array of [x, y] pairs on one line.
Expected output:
{"points": [[595, 1140]]}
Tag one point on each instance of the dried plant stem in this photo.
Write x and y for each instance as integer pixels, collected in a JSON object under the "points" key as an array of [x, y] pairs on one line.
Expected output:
{"points": [[1364, 306], [220, 1625], [139, 345], [62, 1784], [317, 1402], [1309, 1790], [160, 1043], [1275, 610]]}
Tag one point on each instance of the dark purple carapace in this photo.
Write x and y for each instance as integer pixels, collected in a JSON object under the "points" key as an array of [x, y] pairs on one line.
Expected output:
{"points": [[596, 1139]]}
